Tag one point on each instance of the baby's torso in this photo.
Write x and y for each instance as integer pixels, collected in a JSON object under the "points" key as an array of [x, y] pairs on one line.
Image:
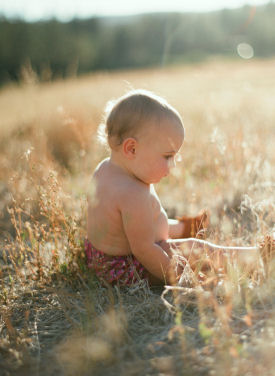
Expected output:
{"points": [[105, 227]]}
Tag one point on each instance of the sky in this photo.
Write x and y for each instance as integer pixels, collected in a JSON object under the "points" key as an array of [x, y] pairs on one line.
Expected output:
{"points": [[33, 10]]}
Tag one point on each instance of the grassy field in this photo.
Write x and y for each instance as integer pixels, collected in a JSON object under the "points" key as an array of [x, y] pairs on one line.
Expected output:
{"points": [[55, 317]]}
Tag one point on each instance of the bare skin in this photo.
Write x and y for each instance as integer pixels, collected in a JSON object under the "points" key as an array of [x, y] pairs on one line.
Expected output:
{"points": [[106, 216], [125, 215]]}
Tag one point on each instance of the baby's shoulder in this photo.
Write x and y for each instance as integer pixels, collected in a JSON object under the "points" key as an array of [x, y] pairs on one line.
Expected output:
{"points": [[133, 194], [110, 180], [130, 187]]}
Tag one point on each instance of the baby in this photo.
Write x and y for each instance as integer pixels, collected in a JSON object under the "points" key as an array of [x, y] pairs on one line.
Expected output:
{"points": [[128, 230]]}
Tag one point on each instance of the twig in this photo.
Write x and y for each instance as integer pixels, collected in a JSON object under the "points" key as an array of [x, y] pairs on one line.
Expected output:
{"points": [[212, 245]]}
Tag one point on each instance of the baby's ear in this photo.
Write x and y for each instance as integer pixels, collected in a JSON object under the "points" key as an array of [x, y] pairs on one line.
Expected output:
{"points": [[129, 148]]}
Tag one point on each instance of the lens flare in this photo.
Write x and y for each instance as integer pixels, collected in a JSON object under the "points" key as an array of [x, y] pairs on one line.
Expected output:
{"points": [[245, 50]]}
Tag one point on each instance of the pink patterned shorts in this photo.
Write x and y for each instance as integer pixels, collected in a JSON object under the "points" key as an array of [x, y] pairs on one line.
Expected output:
{"points": [[123, 270]]}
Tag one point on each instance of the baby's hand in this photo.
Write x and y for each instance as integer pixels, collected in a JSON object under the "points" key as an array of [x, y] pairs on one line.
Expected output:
{"points": [[167, 247], [195, 227]]}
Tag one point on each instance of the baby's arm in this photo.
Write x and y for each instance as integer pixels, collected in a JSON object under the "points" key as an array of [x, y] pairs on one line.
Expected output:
{"points": [[137, 217]]}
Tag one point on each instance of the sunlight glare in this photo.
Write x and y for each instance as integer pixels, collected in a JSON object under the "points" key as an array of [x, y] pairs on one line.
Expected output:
{"points": [[245, 50]]}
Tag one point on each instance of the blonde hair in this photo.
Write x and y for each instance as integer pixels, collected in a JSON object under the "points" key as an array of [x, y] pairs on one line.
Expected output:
{"points": [[127, 115]]}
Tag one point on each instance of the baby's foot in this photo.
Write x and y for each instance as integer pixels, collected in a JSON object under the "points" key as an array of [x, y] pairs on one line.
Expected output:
{"points": [[195, 227]]}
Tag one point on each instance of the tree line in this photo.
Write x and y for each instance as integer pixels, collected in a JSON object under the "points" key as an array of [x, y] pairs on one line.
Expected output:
{"points": [[57, 49]]}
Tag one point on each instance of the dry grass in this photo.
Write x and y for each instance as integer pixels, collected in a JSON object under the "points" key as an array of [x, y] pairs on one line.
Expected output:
{"points": [[55, 317]]}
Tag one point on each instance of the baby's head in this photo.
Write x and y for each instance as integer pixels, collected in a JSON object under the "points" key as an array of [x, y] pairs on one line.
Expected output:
{"points": [[145, 133], [133, 114]]}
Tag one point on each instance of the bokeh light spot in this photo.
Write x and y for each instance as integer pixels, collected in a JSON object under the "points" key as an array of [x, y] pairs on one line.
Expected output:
{"points": [[245, 50]]}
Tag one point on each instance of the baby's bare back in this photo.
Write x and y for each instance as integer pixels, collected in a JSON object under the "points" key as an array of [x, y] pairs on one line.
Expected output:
{"points": [[109, 185]]}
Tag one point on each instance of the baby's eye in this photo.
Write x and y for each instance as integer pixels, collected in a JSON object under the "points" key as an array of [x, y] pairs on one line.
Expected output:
{"points": [[168, 156]]}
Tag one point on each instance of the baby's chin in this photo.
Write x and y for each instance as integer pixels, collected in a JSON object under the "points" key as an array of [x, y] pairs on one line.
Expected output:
{"points": [[158, 179], [154, 181], [149, 180]]}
